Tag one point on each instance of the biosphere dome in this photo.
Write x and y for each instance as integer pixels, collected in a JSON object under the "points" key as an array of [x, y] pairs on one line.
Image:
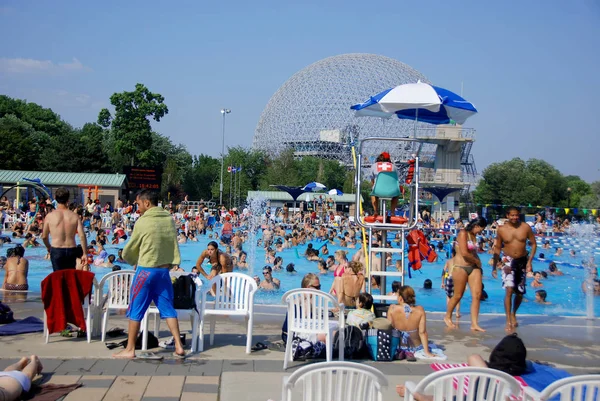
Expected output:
{"points": [[311, 112]]}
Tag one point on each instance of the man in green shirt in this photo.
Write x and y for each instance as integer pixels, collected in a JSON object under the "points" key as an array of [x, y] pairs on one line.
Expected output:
{"points": [[153, 248]]}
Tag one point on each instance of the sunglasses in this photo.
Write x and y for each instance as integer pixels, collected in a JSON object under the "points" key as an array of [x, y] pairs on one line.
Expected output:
{"points": [[267, 272], [316, 287]]}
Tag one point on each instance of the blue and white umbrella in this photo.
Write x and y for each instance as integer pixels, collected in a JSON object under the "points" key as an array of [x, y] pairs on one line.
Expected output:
{"points": [[335, 192], [314, 187], [419, 102]]}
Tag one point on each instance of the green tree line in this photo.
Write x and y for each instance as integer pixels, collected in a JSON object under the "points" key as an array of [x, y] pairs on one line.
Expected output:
{"points": [[36, 138]]}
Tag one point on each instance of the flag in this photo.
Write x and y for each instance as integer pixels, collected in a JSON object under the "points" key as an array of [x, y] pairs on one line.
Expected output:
{"points": [[239, 169], [229, 169]]}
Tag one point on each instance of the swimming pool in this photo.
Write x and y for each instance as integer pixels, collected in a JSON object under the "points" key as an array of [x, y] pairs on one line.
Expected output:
{"points": [[564, 292]]}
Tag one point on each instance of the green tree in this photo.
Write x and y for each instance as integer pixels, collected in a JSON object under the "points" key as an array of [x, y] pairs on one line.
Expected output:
{"points": [[130, 126], [199, 180], [18, 148]]}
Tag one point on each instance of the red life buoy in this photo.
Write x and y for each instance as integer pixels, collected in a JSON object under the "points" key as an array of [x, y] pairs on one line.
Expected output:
{"points": [[410, 174]]}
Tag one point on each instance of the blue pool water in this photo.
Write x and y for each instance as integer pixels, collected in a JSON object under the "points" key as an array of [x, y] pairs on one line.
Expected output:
{"points": [[564, 292]]}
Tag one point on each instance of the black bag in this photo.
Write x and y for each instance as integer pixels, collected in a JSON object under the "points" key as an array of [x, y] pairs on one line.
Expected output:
{"points": [[184, 292], [6, 315], [152, 342], [354, 343]]}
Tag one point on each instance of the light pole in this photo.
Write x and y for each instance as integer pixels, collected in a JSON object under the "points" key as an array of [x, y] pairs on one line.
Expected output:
{"points": [[224, 112]]}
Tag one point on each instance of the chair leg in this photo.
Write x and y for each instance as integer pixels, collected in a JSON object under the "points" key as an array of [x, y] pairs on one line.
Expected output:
{"points": [[46, 331], [194, 323], [104, 323], [156, 324], [200, 337], [145, 333], [249, 321], [341, 340], [288, 351], [213, 323], [328, 347]]}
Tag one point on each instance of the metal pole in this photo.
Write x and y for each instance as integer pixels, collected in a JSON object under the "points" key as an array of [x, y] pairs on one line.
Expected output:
{"points": [[223, 111], [230, 185]]}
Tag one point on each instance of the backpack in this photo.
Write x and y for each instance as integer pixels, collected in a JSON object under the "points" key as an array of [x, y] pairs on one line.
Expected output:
{"points": [[383, 344], [354, 344], [184, 292], [6, 315]]}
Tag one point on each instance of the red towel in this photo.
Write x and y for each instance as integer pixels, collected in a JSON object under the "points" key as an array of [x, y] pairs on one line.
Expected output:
{"points": [[63, 294]]}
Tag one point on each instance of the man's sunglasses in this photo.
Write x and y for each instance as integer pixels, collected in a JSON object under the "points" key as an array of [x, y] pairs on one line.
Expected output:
{"points": [[266, 272]]}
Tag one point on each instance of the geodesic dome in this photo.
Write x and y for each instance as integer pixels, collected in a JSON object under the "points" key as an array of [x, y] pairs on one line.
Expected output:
{"points": [[311, 112]]}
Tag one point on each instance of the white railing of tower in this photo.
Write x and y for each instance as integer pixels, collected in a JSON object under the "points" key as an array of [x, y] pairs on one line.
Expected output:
{"points": [[385, 227], [446, 133]]}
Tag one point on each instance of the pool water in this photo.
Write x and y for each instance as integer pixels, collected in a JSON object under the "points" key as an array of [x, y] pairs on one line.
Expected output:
{"points": [[564, 292]]}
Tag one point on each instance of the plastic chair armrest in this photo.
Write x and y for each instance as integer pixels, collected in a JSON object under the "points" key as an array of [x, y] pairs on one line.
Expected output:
{"points": [[531, 394]]}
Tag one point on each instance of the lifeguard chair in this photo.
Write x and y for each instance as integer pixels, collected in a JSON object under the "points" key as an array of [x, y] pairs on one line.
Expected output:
{"points": [[386, 187]]}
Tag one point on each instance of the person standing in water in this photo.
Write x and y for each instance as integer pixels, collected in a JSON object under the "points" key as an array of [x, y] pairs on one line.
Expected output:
{"points": [[512, 239], [220, 261], [63, 225]]}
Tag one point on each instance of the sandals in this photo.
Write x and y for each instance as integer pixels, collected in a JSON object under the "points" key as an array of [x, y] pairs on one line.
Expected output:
{"points": [[259, 347], [115, 332], [151, 356], [179, 356]]}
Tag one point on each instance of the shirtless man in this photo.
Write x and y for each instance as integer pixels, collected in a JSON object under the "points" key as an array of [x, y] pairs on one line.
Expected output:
{"points": [[269, 283], [62, 224], [513, 236], [220, 261]]}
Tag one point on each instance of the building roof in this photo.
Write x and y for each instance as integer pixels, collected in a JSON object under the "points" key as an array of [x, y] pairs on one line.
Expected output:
{"points": [[55, 178], [284, 196]]}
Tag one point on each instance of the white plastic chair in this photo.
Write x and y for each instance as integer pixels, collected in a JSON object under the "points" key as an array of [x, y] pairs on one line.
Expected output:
{"points": [[308, 313], [89, 306], [336, 381], [570, 389], [117, 296], [234, 296], [472, 383], [192, 314]]}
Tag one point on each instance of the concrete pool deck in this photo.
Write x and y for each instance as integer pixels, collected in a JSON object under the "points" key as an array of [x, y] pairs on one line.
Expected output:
{"points": [[224, 372]]}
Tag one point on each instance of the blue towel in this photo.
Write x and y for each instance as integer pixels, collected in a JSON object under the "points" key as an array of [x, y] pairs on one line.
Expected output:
{"points": [[30, 324], [540, 376]]}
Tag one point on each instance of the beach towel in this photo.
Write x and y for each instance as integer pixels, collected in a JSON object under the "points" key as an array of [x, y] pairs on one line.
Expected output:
{"points": [[448, 366], [30, 324], [438, 354]]}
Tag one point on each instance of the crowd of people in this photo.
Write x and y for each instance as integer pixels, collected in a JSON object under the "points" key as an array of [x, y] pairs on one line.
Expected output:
{"points": [[57, 224]]}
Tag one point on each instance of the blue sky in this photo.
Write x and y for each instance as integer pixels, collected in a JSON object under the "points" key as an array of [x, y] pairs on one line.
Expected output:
{"points": [[530, 67]]}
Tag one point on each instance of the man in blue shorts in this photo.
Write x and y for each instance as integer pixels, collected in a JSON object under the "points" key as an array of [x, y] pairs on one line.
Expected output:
{"points": [[154, 249]]}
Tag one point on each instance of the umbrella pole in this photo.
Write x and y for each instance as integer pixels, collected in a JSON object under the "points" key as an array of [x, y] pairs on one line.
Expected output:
{"points": [[415, 124]]}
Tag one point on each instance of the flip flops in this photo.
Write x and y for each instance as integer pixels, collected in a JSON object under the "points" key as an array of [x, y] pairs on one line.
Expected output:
{"points": [[151, 356], [179, 356], [115, 332], [259, 347], [277, 346]]}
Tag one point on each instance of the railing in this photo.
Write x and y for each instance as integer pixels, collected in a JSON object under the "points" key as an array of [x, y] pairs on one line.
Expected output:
{"points": [[441, 178], [446, 133]]}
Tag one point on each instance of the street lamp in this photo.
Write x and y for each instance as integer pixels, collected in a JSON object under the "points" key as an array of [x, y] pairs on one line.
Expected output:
{"points": [[224, 112], [569, 197]]}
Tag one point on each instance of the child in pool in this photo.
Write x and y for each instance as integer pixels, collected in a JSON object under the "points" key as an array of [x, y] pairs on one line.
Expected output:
{"points": [[540, 297]]}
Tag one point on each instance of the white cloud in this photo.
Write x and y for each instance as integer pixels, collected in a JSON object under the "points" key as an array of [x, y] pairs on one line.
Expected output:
{"points": [[33, 66]]}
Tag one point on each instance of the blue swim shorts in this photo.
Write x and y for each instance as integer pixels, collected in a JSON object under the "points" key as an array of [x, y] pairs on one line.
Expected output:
{"points": [[151, 284]]}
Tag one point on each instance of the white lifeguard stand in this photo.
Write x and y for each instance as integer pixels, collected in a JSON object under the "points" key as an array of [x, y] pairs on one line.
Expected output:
{"points": [[387, 227]]}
